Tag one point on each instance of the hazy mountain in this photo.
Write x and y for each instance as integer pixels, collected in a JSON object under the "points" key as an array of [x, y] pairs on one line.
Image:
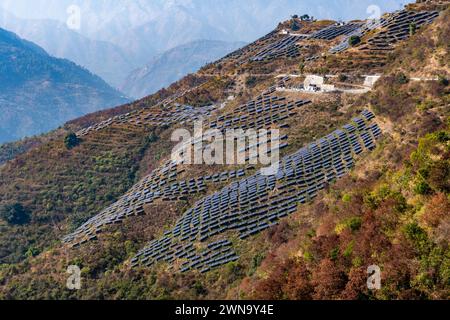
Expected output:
{"points": [[174, 64], [39, 92], [169, 30], [103, 58]]}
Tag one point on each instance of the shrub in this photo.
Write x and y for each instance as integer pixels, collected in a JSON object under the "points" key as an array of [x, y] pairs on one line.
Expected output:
{"points": [[442, 136], [152, 138], [357, 262], [349, 249], [71, 141], [234, 271], [439, 176], [342, 77], [250, 82], [256, 262], [401, 78], [32, 252], [346, 198], [422, 188], [301, 67], [305, 17], [412, 29], [354, 40], [15, 214], [443, 81], [311, 233], [334, 254], [294, 26], [417, 236], [436, 210], [373, 199], [425, 105], [199, 289], [355, 223]]}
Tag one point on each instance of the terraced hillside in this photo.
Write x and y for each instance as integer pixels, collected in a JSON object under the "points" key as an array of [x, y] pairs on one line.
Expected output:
{"points": [[362, 178]]}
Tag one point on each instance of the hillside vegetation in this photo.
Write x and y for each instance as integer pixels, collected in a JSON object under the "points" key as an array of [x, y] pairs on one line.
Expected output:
{"points": [[391, 209]]}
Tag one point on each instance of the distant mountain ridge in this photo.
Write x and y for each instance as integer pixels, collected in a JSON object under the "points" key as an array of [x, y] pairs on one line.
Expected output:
{"points": [[39, 92], [111, 20], [105, 59], [172, 65]]}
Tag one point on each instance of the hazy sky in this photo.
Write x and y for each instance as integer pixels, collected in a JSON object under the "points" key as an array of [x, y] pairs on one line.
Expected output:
{"points": [[243, 19], [56, 9]]}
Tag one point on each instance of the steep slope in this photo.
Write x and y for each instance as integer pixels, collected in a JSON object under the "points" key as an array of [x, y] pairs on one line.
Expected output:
{"points": [[363, 180], [174, 64], [392, 211], [39, 93]]}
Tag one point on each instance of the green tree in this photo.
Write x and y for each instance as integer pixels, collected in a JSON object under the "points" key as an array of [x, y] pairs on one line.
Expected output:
{"points": [[15, 214], [443, 81], [250, 82], [422, 187], [199, 288], [402, 78], [343, 78], [412, 29], [305, 17], [301, 67], [294, 25], [71, 141], [354, 40], [32, 252]]}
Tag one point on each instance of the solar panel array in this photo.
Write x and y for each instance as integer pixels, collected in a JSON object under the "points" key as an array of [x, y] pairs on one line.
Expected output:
{"points": [[397, 28], [202, 238], [162, 184], [167, 116], [163, 113], [334, 31], [259, 114], [213, 255], [360, 32], [284, 48], [240, 54], [396, 25], [258, 202]]}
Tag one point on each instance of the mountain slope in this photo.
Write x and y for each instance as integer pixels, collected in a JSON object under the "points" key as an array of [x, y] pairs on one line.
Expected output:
{"points": [[172, 65], [38, 92], [373, 192]]}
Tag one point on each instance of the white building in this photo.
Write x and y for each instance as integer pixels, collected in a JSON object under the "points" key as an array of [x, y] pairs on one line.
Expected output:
{"points": [[310, 80], [370, 81]]}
